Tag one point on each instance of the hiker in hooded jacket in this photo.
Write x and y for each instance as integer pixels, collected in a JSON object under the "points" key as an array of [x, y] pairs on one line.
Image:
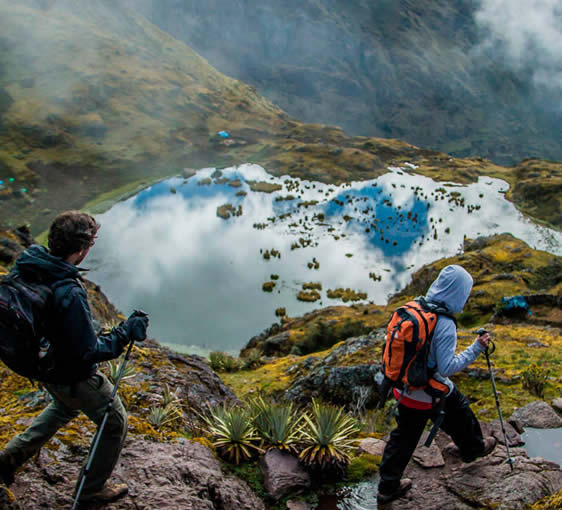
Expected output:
{"points": [[74, 382], [450, 290]]}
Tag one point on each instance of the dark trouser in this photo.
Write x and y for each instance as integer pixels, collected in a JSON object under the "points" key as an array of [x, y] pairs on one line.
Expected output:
{"points": [[459, 423], [91, 397]]}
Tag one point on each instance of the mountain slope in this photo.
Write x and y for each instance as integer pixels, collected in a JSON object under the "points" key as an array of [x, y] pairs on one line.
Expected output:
{"points": [[410, 69], [90, 91], [96, 100]]}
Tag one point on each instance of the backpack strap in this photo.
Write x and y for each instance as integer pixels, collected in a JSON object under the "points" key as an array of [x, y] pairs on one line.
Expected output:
{"points": [[436, 308]]}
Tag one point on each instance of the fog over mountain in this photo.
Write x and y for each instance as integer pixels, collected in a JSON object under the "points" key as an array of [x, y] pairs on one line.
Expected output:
{"points": [[528, 35], [467, 77]]}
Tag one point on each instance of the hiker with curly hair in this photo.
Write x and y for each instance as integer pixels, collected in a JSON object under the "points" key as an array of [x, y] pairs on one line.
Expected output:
{"points": [[73, 381], [449, 292]]}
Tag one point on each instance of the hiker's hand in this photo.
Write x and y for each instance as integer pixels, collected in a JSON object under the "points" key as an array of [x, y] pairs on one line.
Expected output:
{"points": [[136, 325], [484, 339]]}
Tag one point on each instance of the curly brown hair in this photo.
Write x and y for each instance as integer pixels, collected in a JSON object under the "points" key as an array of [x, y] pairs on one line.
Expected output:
{"points": [[71, 232]]}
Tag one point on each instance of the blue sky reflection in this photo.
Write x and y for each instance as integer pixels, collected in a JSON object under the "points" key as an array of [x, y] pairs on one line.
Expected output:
{"points": [[200, 276]]}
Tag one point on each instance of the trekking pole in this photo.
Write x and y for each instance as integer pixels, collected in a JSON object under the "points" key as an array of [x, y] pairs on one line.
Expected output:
{"points": [[509, 459], [99, 432]]}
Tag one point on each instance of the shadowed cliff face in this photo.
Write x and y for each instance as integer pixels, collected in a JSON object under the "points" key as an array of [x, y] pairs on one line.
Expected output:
{"points": [[434, 73]]}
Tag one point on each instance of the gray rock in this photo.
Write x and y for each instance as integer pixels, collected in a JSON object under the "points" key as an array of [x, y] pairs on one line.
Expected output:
{"points": [[537, 414], [339, 384], [297, 505], [372, 446], [282, 474], [174, 476], [428, 457], [485, 483], [336, 384], [494, 429], [277, 345], [557, 404]]}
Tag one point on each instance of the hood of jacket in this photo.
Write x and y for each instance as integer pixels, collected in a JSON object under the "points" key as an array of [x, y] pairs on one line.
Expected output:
{"points": [[451, 288], [36, 262]]}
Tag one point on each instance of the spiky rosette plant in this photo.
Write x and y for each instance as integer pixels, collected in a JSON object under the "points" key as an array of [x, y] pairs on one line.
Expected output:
{"points": [[113, 367], [327, 436], [234, 435], [278, 425]]}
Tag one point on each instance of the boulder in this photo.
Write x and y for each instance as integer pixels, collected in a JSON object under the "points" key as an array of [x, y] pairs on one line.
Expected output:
{"points": [[557, 404], [537, 414], [352, 386], [338, 385], [277, 344], [372, 446], [183, 475], [282, 474]]}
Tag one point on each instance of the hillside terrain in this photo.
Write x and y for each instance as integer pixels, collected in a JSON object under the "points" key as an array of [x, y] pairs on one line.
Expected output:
{"points": [[98, 101], [173, 460], [417, 70]]}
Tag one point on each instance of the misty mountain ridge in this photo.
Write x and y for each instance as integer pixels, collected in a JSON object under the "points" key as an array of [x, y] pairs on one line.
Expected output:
{"points": [[466, 77], [97, 101]]}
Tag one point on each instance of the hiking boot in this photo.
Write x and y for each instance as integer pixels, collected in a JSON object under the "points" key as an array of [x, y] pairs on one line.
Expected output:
{"points": [[7, 469], [109, 493], [405, 486], [489, 445]]}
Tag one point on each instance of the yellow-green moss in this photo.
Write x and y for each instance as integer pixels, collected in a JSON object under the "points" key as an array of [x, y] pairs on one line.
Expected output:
{"points": [[268, 379], [362, 467], [553, 502]]}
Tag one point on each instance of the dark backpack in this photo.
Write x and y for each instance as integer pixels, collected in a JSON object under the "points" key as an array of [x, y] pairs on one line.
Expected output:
{"points": [[406, 350], [25, 306]]}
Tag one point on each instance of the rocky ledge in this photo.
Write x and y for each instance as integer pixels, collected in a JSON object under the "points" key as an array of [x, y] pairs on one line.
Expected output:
{"points": [[181, 475]]}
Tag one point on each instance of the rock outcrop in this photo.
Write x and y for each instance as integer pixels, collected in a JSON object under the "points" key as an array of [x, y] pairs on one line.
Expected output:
{"points": [[486, 483], [538, 415], [181, 475], [342, 385]]}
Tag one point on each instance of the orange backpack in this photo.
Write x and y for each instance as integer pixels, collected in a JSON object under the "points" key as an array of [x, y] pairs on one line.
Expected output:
{"points": [[406, 350]]}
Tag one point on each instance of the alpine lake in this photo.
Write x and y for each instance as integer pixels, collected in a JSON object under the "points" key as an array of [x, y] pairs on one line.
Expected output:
{"points": [[195, 252]]}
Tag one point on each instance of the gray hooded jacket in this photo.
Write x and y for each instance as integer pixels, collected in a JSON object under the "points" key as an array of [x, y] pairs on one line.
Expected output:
{"points": [[451, 290]]}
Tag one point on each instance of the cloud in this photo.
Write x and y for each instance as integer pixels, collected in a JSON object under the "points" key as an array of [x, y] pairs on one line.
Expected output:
{"points": [[527, 34]]}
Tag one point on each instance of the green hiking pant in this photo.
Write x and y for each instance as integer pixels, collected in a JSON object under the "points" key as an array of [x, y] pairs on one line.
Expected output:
{"points": [[91, 397]]}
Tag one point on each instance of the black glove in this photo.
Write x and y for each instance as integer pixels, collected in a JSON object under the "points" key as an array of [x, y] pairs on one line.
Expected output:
{"points": [[136, 325]]}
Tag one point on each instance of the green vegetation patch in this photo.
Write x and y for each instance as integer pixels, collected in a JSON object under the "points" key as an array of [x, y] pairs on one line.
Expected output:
{"points": [[346, 295]]}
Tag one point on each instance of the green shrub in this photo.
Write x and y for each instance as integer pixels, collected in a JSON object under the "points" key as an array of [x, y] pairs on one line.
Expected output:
{"points": [[534, 379], [319, 336], [222, 362], [253, 359], [160, 416]]}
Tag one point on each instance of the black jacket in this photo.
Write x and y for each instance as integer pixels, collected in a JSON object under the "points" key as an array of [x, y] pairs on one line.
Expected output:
{"points": [[76, 347]]}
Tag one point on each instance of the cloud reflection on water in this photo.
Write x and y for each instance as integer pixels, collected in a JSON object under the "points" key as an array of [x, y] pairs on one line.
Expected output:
{"points": [[200, 276]]}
